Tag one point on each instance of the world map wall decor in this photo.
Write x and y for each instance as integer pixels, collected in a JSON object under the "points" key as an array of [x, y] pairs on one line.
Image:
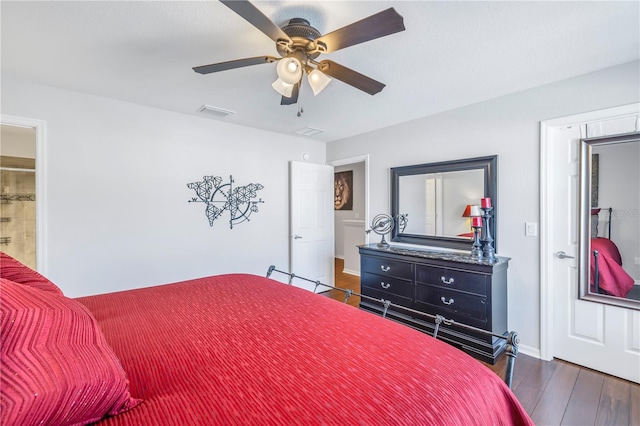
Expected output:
{"points": [[224, 197]]}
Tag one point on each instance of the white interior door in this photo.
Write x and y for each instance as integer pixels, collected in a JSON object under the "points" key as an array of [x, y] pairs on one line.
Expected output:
{"points": [[311, 223], [433, 207], [602, 337]]}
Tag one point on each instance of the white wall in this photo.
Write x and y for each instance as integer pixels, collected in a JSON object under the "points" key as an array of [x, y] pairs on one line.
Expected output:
{"points": [[509, 127], [358, 205], [116, 174]]}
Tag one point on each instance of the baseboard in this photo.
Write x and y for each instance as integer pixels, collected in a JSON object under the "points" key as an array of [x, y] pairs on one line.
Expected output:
{"points": [[350, 272], [529, 350]]}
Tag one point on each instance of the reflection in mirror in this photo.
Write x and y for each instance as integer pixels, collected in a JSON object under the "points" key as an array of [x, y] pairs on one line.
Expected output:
{"points": [[610, 220], [434, 198], [423, 197]]}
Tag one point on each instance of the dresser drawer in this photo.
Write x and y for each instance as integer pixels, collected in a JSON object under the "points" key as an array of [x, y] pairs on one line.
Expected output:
{"points": [[387, 267], [452, 279], [447, 302], [380, 294], [389, 285]]}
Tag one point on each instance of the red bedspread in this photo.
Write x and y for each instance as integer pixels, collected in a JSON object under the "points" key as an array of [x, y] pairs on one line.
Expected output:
{"points": [[614, 280], [242, 349]]}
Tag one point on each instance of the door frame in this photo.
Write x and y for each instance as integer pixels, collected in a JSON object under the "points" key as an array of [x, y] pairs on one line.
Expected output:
{"points": [[351, 160], [41, 184], [546, 251]]}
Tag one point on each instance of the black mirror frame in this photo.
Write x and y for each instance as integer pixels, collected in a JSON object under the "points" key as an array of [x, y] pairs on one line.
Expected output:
{"points": [[488, 164]]}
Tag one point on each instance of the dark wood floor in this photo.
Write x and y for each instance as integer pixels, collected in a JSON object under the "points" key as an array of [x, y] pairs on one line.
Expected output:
{"points": [[553, 392], [560, 393]]}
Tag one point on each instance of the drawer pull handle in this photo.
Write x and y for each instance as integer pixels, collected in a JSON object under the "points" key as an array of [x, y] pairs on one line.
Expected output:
{"points": [[449, 302], [385, 268], [385, 285], [447, 281]]}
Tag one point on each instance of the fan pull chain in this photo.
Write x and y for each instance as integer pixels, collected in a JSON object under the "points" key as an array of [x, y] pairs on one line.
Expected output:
{"points": [[300, 108]]}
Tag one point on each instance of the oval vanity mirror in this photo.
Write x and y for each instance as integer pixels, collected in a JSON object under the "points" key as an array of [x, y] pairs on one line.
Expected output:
{"points": [[609, 237], [433, 198]]}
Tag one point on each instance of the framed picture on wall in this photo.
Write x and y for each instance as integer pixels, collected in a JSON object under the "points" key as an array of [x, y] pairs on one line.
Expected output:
{"points": [[343, 185]]}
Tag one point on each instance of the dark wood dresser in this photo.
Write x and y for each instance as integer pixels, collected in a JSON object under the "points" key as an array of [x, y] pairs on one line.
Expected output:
{"points": [[456, 286]]}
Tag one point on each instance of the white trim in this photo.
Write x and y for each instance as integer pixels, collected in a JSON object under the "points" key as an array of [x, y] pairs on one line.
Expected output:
{"points": [[546, 251], [40, 128], [358, 159], [529, 350], [546, 301], [16, 169]]}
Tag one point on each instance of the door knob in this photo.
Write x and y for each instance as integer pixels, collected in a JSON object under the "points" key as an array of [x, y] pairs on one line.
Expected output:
{"points": [[563, 255], [296, 237]]}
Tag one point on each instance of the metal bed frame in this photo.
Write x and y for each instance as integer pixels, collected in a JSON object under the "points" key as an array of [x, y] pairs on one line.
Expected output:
{"points": [[512, 338]]}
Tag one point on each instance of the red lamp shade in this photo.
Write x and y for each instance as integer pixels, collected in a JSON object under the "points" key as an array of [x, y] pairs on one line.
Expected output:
{"points": [[472, 211]]}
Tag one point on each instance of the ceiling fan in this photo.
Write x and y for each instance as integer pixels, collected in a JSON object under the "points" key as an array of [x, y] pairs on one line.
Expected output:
{"points": [[299, 44]]}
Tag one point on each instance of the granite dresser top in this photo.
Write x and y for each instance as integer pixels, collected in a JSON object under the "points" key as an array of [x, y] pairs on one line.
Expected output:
{"points": [[435, 254]]}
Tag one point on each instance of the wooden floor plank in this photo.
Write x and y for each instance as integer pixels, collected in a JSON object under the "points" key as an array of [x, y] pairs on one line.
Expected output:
{"points": [[634, 409], [522, 366], [582, 408], [615, 404], [550, 408], [532, 386], [346, 281]]}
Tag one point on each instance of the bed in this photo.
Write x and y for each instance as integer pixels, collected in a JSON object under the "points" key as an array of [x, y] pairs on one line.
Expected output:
{"points": [[607, 275], [225, 350]]}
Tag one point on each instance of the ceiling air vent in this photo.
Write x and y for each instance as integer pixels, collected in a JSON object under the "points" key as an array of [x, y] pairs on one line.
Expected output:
{"points": [[215, 112], [309, 131]]}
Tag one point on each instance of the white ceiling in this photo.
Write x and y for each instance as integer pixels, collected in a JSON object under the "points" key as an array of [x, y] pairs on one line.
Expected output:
{"points": [[452, 54]]}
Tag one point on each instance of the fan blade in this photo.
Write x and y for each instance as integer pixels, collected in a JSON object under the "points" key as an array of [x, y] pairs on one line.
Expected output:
{"points": [[294, 96], [256, 18], [350, 77], [238, 63], [375, 26]]}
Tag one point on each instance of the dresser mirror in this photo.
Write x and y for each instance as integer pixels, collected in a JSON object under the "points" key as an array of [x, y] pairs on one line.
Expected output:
{"points": [[433, 197], [609, 233]]}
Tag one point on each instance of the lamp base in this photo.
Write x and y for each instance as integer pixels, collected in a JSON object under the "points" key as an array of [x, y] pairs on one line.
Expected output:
{"points": [[476, 248]]}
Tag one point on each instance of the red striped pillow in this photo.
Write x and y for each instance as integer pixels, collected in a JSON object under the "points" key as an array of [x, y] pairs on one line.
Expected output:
{"points": [[57, 367], [17, 272]]}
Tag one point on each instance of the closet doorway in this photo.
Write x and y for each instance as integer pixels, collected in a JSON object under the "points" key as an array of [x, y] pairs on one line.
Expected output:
{"points": [[20, 212]]}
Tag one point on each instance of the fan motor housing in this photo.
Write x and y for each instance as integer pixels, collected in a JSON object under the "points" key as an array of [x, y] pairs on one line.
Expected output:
{"points": [[303, 36]]}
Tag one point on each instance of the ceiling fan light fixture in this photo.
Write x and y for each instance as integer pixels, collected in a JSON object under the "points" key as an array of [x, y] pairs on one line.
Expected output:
{"points": [[285, 89], [299, 44], [289, 70], [318, 81]]}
